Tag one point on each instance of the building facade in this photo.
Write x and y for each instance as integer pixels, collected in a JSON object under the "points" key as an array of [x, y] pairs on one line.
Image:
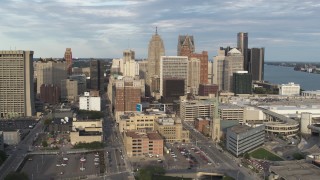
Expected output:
{"points": [[185, 46], [242, 82], [201, 123], [193, 75], [86, 131], [257, 64], [131, 67], [207, 89], [69, 90], [218, 68], [233, 62], [171, 130], [242, 138], [155, 51], [97, 69], [190, 109], [174, 68], [50, 93], [231, 112], [242, 46], [16, 84], [89, 102], [68, 59], [140, 144], [289, 89]]}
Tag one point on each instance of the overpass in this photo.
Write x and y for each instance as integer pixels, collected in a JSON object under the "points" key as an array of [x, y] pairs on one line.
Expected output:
{"points": [[279, 124]]}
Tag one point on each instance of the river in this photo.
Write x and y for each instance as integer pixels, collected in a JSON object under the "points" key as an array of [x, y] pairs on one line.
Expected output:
{"points": [[283, 75]]}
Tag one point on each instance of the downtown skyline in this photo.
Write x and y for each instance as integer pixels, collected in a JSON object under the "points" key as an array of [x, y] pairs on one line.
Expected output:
{"points": [[96, 28]]}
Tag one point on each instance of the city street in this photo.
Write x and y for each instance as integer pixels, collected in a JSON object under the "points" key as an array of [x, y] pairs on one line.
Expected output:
{"points": [[223, 163]]}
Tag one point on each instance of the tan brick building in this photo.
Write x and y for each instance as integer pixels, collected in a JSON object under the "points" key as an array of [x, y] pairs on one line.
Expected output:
{"points": [[140, 144], [171, 130], [86, 131]]}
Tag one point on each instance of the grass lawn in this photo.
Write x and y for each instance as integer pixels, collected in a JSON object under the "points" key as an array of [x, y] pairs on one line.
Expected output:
{"points": [[264, 154]]}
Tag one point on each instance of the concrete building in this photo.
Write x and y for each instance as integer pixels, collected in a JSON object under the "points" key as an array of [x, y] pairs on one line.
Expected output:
{"points": [[16, 84], [173, 76], [193, 75], [89, 102], [155, 51], [294, 170], [203, 57], [130, 66], [311, 94], [140, 144], [242, 138], [139, 120], [127, 94], [201, 123], [68, 59], [11, 137], [207, 89], [306, 121], [210, 72], [233, 63], [242, 46], [231, 112], [69, 90], [198, 106], [50, 71], [256, 67], [97, 69], [289, 89], [50, 93], [82, 82], [171, 130], [84, 70], [242, 82], [252, 116], [143, 68], [218, 68], [86, 131]]}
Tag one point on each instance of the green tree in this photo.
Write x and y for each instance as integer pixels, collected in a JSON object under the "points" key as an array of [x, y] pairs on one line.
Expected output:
{"points": [[44, 143], [16, 175], [246, 156], [147, 172]]}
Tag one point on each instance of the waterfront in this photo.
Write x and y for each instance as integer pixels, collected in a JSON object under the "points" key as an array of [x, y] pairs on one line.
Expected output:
{"points": [[283, 75]]}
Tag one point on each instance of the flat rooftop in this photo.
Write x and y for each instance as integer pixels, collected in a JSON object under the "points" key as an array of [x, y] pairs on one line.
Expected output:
{"points": [[154, 136], [296, 170], [229, 106], [240, 128]]}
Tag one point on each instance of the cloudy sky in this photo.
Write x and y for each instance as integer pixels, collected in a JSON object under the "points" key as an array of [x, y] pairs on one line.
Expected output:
{"points": [[288, 29]]}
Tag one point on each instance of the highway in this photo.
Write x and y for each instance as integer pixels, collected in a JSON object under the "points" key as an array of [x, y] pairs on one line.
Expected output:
{"points": [[221, 161], [13, 162]]}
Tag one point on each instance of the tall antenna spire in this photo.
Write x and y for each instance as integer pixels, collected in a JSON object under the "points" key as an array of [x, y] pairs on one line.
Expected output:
{"points": [[156, 30]]}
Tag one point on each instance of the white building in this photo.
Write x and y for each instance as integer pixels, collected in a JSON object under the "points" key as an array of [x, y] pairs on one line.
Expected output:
{"points": [[311, 94], [90, 103], [173, 67], [11, 137], [289, 89]]}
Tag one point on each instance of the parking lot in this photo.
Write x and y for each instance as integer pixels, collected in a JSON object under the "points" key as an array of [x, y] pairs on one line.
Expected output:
{"points": [[62, 166]]}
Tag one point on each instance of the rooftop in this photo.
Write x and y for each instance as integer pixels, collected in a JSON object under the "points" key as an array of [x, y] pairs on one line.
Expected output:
{"points": [[229, 106], [296, 170], [240, 129], [154, 136]]}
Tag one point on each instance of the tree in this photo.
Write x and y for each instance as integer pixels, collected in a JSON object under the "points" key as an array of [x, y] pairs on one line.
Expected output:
{"points": [[148, 172], [16, 175], [44, 143], [246, 156]]}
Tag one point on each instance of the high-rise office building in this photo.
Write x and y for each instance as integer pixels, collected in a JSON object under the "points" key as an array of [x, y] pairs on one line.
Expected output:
{"points": [[50, 72], [194, 75], [173, 76], [233, 62], [242, 45], [130, 66], [16, 84], [185, 45], [69, 90], [97, 75], [127, 94], [218, 68], [203, 65], [256, 67], [68, 59], [155, 51], [242, 82]]}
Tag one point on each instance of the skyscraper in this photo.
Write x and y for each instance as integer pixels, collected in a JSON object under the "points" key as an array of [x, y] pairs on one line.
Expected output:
{"points": [[256, 67], [130, 66], [155, 51], [218, 68], [50, 72], [233, 62], [242, 46], [185, 45], [242, 82], [194, 75], [173, 77], [16, 84], [68, 59], [97, 75]]}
